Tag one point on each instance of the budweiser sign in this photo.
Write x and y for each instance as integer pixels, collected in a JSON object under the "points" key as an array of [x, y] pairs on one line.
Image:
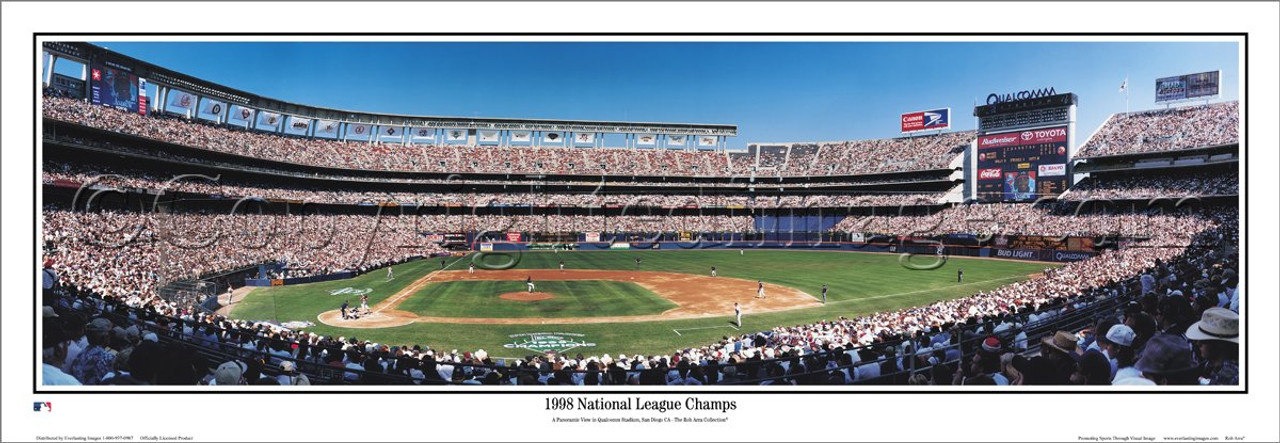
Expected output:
{"points": [[1047, 135]]}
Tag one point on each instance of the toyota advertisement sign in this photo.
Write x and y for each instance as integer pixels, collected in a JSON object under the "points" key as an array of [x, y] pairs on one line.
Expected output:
{"points": [[932, 120]]}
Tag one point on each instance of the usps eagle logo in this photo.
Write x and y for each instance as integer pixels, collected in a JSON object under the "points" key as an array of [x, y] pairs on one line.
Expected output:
{"points": [[933, 118]]}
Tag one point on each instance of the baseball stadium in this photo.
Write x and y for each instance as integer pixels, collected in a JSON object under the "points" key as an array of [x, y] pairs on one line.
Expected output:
{"points": [[192, 233]]}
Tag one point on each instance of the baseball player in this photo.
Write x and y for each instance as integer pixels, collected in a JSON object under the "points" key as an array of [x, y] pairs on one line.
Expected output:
{"points": [[637, 262], [959, 275], [390, 275], [528, 281], [344, 309], [713, 271], [737, 312], [471, 268], [741, 252], [824, 293], [561, 265], [441, 265], [364, 302], [759, 289]]}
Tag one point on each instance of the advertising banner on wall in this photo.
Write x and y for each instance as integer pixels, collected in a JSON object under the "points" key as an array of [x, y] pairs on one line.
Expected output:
{"points": [[455, 135], [181, 101], [706, 141], [212, 109], [553, 137], [488, 136], [422, 135], [267, 121], [240, 115], [297, 125], [327, 128], [359, 131], [677, 140], [646, 140], [584, 138], [521, 136], [931, 120]]}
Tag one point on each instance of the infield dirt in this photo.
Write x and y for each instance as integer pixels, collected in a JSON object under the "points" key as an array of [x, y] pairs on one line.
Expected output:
{"points": [[697, 296]]}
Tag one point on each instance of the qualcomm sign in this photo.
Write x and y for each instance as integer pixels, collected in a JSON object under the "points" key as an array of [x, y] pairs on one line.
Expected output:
{"points": [[994, 98]]}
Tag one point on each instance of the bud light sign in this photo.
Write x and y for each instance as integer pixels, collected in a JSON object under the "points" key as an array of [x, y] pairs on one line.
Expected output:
{"points": [[933, 120]]}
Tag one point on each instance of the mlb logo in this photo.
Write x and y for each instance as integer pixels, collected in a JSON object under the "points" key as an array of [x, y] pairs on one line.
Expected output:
{"points": [[43, 405]]}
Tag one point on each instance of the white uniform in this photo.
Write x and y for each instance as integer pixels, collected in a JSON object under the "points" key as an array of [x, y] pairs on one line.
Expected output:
{"points": [[471, 268], [760, 290], [389, 274], [737, 311], [530, 284]]}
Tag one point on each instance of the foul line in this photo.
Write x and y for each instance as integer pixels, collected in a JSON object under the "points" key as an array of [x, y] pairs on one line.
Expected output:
{"points": [[413, 287]]}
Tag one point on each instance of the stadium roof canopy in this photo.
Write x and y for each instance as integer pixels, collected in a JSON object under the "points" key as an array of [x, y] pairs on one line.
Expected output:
{"points": [[98, 56]]}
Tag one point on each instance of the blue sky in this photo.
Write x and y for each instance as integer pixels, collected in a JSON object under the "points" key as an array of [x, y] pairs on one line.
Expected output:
{"points": [[773, 91]]}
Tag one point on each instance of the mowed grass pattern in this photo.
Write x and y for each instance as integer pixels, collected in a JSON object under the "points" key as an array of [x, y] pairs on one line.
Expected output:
{"points": [[860, 283], [579, 298]]}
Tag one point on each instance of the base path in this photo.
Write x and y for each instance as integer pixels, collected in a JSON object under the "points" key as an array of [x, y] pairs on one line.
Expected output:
{"points": [[697, 296]]}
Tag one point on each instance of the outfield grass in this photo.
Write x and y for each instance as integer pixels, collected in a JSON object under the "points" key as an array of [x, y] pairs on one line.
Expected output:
{"points": [[579, 298], [860, 283]]}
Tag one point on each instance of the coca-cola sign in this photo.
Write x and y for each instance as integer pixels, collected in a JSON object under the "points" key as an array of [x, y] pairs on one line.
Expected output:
{"points": [[990, 174]]}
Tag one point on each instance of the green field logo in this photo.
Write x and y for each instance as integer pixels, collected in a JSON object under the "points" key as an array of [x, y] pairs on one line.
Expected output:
{"points": [[548, 341], [349, 291]]}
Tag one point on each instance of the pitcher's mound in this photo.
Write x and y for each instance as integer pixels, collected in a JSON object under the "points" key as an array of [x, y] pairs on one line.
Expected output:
{"points": [[525, 296]]}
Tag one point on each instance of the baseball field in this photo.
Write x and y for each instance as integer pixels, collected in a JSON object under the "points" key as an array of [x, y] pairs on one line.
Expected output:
{"points": [[604, 302]]}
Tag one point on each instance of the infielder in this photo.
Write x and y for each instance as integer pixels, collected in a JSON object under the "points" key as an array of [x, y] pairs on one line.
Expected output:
{"points": [[713, 271], [824, 294], [959, 275], [737, 311], [561, 265], [759, 289], [471, 268], [637, 262], [529, 282]]}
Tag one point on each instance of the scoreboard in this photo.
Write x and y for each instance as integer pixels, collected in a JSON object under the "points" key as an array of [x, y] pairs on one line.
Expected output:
{"points": [[1021, 166], [1023, 151]]}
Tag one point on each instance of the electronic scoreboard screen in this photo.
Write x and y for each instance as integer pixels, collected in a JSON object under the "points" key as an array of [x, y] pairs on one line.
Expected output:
{"points": [[1022, 166]]}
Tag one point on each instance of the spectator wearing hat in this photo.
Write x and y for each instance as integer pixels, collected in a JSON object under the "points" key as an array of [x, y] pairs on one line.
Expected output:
{"points": [[1167, 360], [229, 374], [1056, 361], [96, 361], [289, 375], [55, 342], [1118, 344], [1217, 342]]}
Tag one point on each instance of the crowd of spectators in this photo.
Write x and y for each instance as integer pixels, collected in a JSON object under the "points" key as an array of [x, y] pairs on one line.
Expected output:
{"points": [[138, 179], [1160, 130], [1147, 186], [851, 157], [1149, 343]]}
